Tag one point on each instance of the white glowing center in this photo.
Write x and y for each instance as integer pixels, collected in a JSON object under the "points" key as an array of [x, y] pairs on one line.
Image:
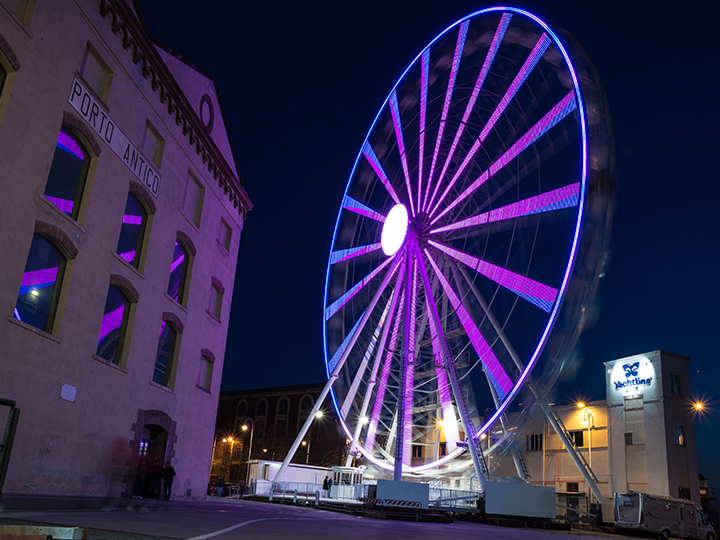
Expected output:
{"points": [[393, 232]]}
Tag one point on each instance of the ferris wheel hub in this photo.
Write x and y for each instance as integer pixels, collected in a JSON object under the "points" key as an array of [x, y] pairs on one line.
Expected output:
{"points": [[394, 229]]}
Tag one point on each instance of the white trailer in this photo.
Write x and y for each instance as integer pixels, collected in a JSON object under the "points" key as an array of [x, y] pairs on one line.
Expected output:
{"points": [[660, 515]]}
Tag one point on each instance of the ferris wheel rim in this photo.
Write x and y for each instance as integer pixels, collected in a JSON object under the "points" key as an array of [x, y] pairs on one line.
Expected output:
{"points": [[578, 96]]}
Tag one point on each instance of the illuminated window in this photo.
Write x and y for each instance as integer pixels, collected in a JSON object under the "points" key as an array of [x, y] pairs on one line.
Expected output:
{"points": [[40, 286], [68, 172], [165, 359], [206, 370], [132, 232], [114, 326], [178, 275], [679, 435], [96, 73], [534, 442], [193, 201], [225, 237], [216, 297]]}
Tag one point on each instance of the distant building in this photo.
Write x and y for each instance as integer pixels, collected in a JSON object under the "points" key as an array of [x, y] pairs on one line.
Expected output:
{"points": [[277, 414], [121, 225]]}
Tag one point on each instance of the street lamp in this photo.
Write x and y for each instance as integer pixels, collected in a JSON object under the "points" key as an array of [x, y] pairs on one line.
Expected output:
{"points": [[589, 421], [252, 430]]}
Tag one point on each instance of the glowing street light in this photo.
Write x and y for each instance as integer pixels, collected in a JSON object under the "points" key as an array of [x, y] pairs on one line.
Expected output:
{"points": [[252, 431], [698, 405]]}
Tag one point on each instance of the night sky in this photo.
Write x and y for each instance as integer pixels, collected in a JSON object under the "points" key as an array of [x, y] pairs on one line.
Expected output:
{"points": [[300, 84]]}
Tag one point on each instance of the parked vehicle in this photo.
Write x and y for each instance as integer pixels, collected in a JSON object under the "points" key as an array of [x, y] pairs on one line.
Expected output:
{"points": [[663, 516]]}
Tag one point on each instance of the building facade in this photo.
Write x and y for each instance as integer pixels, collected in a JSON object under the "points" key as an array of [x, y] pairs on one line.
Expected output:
{"points": [[274, 416], [121, 234]]}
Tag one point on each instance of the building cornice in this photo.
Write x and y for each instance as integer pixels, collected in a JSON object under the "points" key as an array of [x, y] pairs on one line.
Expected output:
{"points": [[134, 37]]}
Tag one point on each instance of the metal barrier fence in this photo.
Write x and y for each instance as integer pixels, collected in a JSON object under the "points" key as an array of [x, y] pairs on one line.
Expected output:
{"points": [[452, 498]]}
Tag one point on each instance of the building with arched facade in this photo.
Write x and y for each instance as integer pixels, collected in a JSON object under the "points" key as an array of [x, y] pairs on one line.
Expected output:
{"points": [[275, 416], [123, 215]]}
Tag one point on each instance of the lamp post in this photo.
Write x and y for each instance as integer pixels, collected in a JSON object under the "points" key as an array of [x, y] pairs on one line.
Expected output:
{"points": [[589, 421], [252, 430]]}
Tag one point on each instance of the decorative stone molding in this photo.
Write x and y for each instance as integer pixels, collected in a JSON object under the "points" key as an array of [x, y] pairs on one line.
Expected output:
{"points": [[61, 239], [185, 240], [123, 283], [7, 50], [123, 22], [144, 196], [216, 282], [207, 353], [174, 321], [74, 122]]}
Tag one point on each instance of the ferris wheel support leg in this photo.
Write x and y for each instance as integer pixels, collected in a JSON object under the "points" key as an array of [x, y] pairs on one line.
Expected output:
{"points": [[572, 452], [448, 361], [334, 375]]}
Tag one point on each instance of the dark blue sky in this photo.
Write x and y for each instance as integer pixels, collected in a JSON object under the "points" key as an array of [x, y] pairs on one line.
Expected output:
{"points": [[300, 84]]}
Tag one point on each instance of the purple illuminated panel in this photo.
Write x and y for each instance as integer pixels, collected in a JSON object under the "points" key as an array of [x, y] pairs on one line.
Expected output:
{"points": [[493, 368], [564, 197], [63, 204], [359, 208], [448, 412], [111, 321], [69, 145], [341, 349], [557, 113], [395, 112], [423, 119], [128, 256], [333, 308], [132, 220], [535, 292], [345, 254], [497, 39], [177, 262], [382, 385], [38, 279], [369, 153], [540, 47], [459, 46]]}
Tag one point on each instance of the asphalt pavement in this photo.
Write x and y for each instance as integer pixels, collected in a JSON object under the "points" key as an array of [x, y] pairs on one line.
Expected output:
{"points": [[229, 519]]}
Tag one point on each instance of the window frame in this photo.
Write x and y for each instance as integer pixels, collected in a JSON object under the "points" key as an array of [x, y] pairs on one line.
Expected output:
{"points": [[171, 322]]}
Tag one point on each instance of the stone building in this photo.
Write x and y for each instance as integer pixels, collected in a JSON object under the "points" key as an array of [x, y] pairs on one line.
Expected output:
{"points": [[123, 215]]}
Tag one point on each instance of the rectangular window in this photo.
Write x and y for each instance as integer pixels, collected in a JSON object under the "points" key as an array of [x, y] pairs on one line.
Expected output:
{"points": [[22, 8], [416, 451], [684, 493], [534, 442], [573, 487], [215, 308], [577, 438], [443, 449], [225, 235], [96, 73], [628, 439], [679, 435], [192, 204], [153, 145], [675, 386]]}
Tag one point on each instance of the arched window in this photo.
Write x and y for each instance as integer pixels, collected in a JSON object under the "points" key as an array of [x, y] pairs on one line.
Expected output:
{"points": [[260, 418], [166, 357], [206, 371], [132, 231], [216, 296], [241, 413], [306, 405], [66, 181], [39, 289], [262, 408], [178, 274], [114, 326], [281, 418]]}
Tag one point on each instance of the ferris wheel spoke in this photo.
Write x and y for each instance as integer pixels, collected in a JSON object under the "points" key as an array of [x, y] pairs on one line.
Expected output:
{"points": [[499, 377], [424, 76], [359, 208], [557, 199], [564, 107], [397, 123], [360, 371], [459, 46], [384, 376], [538, 294], [351, 253], [375, 163], [492, 51], [540, 47], [333, 308]]}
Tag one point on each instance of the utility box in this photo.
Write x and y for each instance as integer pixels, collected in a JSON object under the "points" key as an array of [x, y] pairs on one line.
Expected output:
{"points": [[393, 490], [519, 499]]}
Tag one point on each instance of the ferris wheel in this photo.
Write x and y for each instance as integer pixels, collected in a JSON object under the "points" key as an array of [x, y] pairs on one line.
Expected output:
{"points": [[485, 173]]}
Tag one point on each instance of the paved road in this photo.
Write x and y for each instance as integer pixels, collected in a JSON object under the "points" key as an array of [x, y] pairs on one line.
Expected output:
{"points": [[242, 520]]}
